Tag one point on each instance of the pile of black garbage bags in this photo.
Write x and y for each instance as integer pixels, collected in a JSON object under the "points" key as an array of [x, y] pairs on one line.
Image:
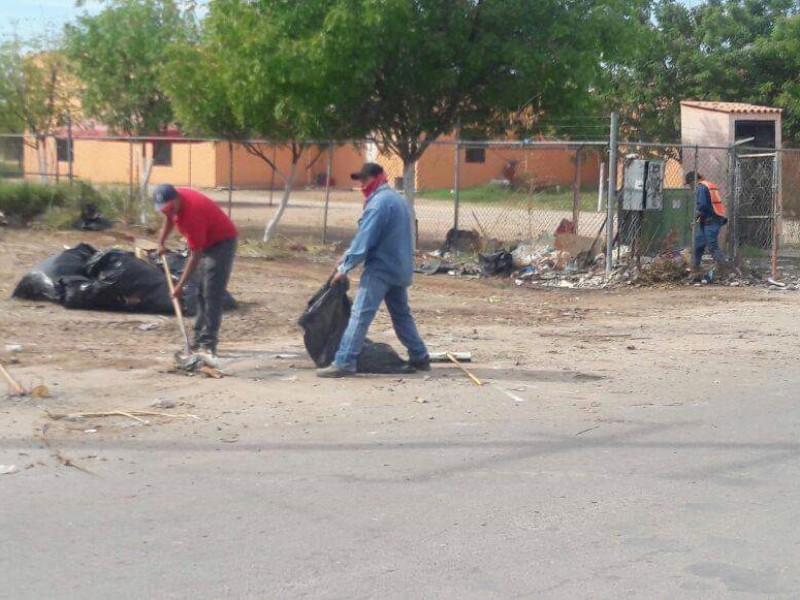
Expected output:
{"points": [[112, 280]]}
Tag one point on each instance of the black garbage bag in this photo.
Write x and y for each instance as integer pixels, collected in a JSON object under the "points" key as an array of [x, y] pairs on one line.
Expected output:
{"points": [[324, 321], [123, 282], [177, 263], [499, 263], [380, 358], [79, 292], [40, 283], [91, 220]]}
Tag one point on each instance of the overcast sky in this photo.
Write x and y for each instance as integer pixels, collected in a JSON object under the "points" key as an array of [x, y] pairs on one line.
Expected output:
{"points": [[31, 17]]}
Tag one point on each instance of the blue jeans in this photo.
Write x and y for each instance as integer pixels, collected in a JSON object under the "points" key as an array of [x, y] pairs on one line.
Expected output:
{"points": [[371, 292], [707, 236]]}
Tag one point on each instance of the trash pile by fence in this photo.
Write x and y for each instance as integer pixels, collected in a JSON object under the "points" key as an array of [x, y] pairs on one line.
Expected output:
{"points": [[493, 194]]}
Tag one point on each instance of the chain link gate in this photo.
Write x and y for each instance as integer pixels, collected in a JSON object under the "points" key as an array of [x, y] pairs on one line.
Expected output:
{"points": [[755, 211]]}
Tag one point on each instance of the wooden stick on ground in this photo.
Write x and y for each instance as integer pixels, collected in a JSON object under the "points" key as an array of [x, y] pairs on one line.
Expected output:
{"points": [[454, 360], [16, 389], [131, 414]]}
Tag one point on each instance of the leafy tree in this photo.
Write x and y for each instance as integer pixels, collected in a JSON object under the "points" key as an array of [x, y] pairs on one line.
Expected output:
{"points": [[263, 70], [725, 50], [494, 66], [118, 55], [777, 57], [34, 92]]}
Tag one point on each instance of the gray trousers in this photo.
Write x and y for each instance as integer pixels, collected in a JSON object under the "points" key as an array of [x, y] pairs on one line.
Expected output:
{"points": [[215, 268]]}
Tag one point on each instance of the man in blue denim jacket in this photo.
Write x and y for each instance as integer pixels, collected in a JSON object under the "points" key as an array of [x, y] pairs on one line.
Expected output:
{"points": [[385, 244]]}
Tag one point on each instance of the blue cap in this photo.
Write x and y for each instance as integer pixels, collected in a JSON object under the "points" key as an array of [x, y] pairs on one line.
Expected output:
{"points": [[164, 194]]}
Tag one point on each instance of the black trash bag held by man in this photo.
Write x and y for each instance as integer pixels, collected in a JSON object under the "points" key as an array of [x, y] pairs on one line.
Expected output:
{"points": [[324, 321]]}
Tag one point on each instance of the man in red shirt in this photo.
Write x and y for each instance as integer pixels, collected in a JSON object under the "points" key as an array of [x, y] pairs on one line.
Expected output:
{"points": [[211, 237]]}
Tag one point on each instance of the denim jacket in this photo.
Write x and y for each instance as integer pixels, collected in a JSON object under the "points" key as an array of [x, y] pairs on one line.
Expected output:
{"points": [[384, 241]]}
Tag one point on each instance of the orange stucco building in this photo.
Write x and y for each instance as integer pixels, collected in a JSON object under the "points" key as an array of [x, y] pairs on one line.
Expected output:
{"points": [[101, 159]]}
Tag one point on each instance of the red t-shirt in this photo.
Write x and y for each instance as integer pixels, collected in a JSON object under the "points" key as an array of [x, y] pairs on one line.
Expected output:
{"points": [[202, 222]]}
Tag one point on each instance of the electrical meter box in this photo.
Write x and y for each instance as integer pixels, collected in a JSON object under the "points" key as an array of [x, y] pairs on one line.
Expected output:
{"points": [[643, 186]]}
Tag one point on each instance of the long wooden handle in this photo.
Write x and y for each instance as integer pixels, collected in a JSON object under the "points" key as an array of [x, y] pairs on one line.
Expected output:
{"points": [[454, 360], [15, 387], [176, 304]]}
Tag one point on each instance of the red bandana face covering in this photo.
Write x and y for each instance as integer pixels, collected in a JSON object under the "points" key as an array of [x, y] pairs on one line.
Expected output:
{"points": [[376, 183]]}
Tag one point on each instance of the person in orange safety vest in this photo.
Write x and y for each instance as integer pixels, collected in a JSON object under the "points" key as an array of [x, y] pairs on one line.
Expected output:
{"points": [[710, 217]]}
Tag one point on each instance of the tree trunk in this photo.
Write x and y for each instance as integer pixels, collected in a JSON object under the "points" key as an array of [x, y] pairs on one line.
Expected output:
{"points": [[146, 167], [272, 225], [409, 189], [41, 156]]}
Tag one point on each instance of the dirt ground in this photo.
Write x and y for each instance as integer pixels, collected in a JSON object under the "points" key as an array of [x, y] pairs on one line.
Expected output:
{"points": [[552, 347], [628, 443]]}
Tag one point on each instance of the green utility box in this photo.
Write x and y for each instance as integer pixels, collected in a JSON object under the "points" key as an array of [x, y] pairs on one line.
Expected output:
{"points": [[671, 227]]}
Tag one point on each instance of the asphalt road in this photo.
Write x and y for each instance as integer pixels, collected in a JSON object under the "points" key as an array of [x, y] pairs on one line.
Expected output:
{"points": [[694, 498]]}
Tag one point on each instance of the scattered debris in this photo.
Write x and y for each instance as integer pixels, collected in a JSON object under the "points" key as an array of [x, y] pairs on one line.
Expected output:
{"points": [[163, 403], [441, 357], [39, 391], [212, 372], [8, 469], [13, 348], [499, 263], [420, 400], [587, 430], [460, 240], [147, 326], [61, 458]]}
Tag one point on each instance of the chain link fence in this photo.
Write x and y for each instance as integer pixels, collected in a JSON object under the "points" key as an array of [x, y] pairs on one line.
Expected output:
{"points": [[498, 193]]}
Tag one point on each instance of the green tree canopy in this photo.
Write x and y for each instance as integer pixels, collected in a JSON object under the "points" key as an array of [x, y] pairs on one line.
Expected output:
{"points": [[262, 70], [492, 66], [724, 50], [118, 56]]}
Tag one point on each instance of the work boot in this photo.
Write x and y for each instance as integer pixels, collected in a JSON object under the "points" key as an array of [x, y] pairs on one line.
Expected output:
{"points": [[420, 364], [696, 274], [207, 349], [334, 372]]}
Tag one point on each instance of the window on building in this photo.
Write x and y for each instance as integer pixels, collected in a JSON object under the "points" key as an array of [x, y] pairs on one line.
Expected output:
{"points": [[62, 149], [475, 155], [162, 154], [762, 132]]}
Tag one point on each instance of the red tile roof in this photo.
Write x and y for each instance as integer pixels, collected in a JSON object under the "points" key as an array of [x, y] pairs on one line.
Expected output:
{"points": [[732, 107]]}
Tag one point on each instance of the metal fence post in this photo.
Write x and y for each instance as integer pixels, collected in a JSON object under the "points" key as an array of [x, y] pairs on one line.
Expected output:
{"points": [[328, 173], [69, 147], [190, 164], [777, 212], [129, 207], [576, 188], [612, 192], [230, 178], [695, 259], [733, 183], [456, 179]]}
